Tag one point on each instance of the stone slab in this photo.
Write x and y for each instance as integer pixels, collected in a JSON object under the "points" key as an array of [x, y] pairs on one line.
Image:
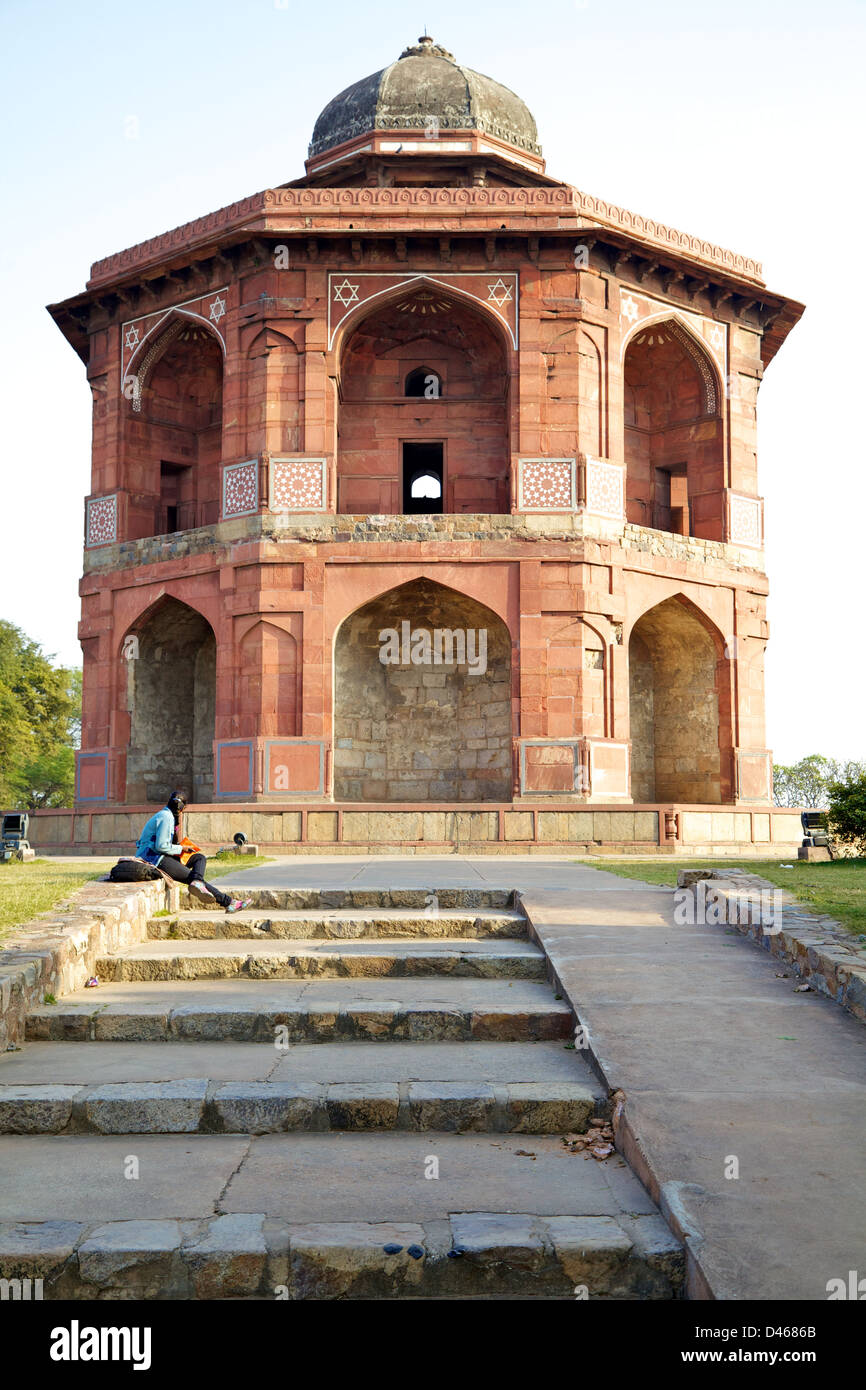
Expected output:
{"points": [[82, 1177], [347, 1177], [719, 1058]]}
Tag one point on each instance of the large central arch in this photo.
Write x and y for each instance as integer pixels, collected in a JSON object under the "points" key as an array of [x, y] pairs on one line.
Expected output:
{"points": [[413, 728], [462, 416]]}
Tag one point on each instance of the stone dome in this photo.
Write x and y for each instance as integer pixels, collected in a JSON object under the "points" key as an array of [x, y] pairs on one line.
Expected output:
{"points": [[425, 88]]}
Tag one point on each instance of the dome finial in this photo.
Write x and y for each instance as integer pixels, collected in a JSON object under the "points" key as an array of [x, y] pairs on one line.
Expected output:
{"points": [[426, 48]]}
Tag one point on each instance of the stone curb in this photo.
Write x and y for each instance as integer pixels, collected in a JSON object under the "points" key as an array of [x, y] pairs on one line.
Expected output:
{"points": [[813, 944], [251, 1256], [202, 924], [58, 953], [310, 965], [676, 1224], [323, 899], [267, 1107], [327, 1021]]}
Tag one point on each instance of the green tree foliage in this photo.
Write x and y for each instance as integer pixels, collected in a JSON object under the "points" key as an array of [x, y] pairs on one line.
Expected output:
{"points": [[807, 783], [40, 723], [848, 810]]}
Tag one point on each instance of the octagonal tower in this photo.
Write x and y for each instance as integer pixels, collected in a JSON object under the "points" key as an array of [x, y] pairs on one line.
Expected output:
{"points": [[426, 390]]}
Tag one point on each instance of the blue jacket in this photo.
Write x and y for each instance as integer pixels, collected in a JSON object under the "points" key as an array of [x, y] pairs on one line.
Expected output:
{"points": [[155, 839]]}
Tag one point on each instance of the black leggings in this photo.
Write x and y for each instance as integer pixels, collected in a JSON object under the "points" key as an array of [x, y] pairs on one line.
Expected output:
{"points": [[193, 869]]}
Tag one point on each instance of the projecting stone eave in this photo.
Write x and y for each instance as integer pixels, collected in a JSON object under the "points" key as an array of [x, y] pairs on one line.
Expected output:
{"points": [[548, 209]]}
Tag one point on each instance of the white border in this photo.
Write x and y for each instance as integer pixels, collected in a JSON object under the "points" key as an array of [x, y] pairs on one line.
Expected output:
{"points": [[230, 468]]}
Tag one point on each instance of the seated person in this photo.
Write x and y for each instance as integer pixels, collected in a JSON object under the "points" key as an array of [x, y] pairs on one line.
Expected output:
{"points": [[158, 844]]}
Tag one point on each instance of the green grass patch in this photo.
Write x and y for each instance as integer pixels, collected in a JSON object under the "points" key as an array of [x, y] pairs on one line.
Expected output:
{"points": [[227, 863], [837, 889], [28, 890]]}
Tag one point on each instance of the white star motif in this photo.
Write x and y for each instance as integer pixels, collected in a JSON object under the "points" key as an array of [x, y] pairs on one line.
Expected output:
{"points": [[716, 336], [132, 336], [217, 309], [629, 308], [500, 293], [347, 293]]}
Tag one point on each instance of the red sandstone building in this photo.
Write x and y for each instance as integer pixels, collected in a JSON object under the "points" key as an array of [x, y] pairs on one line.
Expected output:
{"points": [[426, 388]]}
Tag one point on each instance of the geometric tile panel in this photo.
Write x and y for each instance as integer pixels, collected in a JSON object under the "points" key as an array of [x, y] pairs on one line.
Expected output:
{"points": [[546, 485], [241, 488], [102, 520], [297, 485], [604, 488], [745, 521]]}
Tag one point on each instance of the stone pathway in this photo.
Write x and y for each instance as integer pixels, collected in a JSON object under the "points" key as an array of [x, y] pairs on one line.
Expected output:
{"points": [[344, 1092], [746, 1099]]}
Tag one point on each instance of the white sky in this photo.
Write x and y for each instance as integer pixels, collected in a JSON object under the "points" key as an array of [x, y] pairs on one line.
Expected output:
{"points": [[742, 123]]}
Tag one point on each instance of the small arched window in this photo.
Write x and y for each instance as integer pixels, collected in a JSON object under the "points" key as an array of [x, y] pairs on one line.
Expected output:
{"points": [[426, 485], [423, 381]]}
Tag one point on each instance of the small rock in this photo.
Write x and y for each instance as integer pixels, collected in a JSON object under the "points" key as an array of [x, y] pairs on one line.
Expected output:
{"points": [[416, 1251], [393, 1249]]}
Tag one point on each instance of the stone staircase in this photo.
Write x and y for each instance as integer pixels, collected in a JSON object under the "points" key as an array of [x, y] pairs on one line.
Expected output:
{"points": [[334, 1094]]}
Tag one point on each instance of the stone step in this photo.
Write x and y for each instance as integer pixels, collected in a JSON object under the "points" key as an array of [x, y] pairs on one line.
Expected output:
{"points": [[337, 1215], [337, 924], [199, 1105], [456, 957], [499, 1063], [403, 899], [284, 1012]]}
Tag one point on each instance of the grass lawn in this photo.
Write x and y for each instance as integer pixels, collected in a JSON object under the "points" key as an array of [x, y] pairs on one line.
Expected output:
{"points": [[26, 890], [838, 888]]}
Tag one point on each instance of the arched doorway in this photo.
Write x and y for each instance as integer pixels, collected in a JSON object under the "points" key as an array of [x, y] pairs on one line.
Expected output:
{"points": [[174, 430], [172, 698], [674, 707], [673, 444], [422, 705], [423, 389]]}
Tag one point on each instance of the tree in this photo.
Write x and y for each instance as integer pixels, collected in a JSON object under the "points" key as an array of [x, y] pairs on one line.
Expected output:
{"points": [[807, 783], [847, 813], [48, 780], [40, 720]]}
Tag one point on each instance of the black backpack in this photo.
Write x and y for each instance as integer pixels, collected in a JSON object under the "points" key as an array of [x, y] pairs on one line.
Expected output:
{"points": [[133, 871]]}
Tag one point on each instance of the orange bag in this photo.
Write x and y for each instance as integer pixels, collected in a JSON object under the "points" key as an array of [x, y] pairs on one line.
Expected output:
{"points": [[189, 851]]}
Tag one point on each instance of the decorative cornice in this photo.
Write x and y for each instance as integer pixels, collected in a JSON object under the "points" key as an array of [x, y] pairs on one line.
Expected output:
{"points": [[274, 209]]}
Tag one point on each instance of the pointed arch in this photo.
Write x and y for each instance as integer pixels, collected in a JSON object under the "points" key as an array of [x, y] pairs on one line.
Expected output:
{"points": [[268, 687], [151, 346], [676, 705], [409, 725], [338, 336], [694, 345], [673, 430], [464, 432], [171, 700]]}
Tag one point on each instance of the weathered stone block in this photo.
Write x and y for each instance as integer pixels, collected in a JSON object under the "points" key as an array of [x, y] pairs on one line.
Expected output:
{"points": [[363, 1105], [146, 1107], [451, 1105]]}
